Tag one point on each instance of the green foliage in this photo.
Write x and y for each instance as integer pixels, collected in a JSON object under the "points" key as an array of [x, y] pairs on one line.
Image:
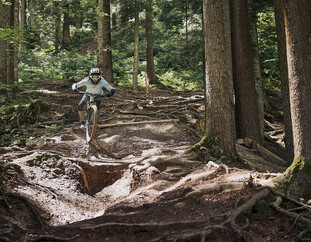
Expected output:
{"points": [[32, 37], [267, 44], [82, 36], [11, 35], [5, 2], [39, 65], [178, 55], [184, 80], [52, 129]]}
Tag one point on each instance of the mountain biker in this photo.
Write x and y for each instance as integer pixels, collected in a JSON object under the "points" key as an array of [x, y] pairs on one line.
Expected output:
{"points": [[94, 84]]}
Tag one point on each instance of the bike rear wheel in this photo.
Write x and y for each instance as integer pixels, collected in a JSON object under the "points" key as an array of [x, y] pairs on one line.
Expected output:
{"points": [[91, 123]]}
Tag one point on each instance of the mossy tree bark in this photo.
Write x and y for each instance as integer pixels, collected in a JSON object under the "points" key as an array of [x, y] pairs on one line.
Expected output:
{"points": [[298, 45], [219, 124]]}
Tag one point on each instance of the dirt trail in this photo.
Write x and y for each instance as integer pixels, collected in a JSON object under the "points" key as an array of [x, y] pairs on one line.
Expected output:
{"points": [[135, 182]]}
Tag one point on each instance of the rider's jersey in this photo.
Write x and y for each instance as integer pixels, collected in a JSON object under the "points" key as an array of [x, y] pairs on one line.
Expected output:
{"points": [[91, 87]]}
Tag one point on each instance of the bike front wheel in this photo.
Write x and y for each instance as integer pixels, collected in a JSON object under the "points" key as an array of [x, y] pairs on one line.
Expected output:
{"points": [[91, 123]]}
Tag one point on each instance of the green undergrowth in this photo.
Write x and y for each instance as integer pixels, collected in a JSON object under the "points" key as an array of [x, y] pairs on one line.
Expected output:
{"points": [[21, 115]]}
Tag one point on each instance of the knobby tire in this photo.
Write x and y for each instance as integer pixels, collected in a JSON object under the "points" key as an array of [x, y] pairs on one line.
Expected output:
{"points": [[91, 123]]}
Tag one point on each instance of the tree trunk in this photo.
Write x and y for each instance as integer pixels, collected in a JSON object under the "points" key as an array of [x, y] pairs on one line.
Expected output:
{"points": [[298, 45], [280, 28], [119, 13], [17, 41], [247, 121], [32, 10], [149, 44], [104, 40], [57, 31], [256, 66], [22, 21], [136, 46], [11, 49], [227, 34], [22, 14], [219, 113], [78, 19], [4, 10], [66, 28]]}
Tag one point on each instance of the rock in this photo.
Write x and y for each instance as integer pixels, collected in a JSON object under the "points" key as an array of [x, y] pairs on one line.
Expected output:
{"points": [[67, 137], [240, 141]]}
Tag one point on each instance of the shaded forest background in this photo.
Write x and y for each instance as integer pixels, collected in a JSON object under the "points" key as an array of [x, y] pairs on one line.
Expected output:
{"points": [[57, 40]]}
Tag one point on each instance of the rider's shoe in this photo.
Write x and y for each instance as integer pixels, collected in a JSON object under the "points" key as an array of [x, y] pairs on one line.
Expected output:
{"points": [[82, 126]]}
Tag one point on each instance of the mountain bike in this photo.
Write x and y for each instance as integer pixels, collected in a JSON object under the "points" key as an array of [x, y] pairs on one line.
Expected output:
{"points": [[91, 116]]}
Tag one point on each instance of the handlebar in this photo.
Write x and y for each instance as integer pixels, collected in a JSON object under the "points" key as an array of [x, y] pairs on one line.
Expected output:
{"points": [[90, 94]]}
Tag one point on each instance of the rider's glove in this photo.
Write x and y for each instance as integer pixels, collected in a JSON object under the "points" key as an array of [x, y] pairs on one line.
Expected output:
{"points": [[112, 91], [74, 87]]}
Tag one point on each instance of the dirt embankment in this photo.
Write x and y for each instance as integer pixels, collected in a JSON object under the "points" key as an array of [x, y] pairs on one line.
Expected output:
{"points": [[136, 181]]}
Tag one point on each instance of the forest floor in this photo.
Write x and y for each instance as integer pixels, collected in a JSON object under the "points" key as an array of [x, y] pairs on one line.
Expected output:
{"points": [[137, 180]]}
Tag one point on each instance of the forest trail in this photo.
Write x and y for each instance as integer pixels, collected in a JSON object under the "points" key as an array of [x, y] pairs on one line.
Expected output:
{"points": [[136, 181]]}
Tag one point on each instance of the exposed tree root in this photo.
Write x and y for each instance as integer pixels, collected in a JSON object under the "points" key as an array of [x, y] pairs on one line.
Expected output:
{"points": [[159, 224], [138, 123], [31, 206], [231, 219], [219, 187], [49, 238], [86, 184], [276, 206]]}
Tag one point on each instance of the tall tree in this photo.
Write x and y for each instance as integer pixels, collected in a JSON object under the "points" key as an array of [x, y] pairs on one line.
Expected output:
{"points": [[281, 38], [149, 43], [23, 13], [66, 26], [219, 114], [136, 46], [57, 28], [16, 39], [298, 45], [120, 5], [104, 40], [4, 9], [11, 45], [247, 120], [256, 64]]}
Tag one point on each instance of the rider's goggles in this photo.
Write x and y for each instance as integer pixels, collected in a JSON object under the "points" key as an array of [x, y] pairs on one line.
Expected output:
{"points": [[95, 77]]}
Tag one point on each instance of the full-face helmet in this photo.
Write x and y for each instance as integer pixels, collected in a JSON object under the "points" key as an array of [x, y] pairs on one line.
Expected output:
{"points": [[95, 75]]}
